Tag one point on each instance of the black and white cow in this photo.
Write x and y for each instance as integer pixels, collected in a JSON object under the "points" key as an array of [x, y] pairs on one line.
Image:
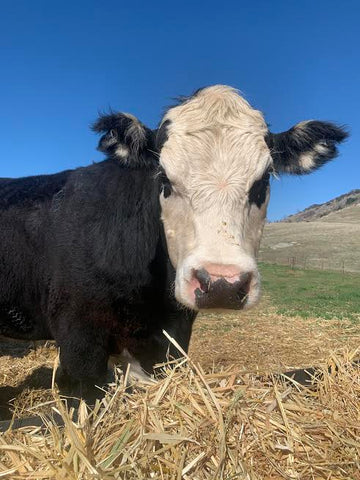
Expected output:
{"points": [[103, 258]]}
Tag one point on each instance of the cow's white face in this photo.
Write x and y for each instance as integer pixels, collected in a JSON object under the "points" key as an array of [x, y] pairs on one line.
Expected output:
{"points": [[216, 154], [217, 162], [216, 158]]}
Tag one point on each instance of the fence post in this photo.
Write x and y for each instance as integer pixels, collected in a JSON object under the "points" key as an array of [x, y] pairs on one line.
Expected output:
{"points": [[293, 263]]}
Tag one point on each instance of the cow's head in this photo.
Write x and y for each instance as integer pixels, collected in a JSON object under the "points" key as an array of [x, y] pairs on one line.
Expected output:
{"points": [[216, 156]]}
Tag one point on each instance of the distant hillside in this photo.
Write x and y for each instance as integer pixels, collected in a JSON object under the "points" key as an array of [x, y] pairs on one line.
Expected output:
{"points": [[345, 215], [325, 236], [317, 212]]}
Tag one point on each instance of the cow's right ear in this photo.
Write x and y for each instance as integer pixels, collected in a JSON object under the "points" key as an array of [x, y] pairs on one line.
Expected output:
{"points": [[305, 147], [126, 139]]}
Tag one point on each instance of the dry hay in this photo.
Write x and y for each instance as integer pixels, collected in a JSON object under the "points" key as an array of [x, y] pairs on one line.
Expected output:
{"points": [[255, 341], [260, 340], [25, 375], [196, 425]]}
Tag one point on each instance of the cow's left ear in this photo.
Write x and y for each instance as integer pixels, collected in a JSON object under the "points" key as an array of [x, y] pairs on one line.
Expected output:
{"points": [[126, 139], [305, 147]]}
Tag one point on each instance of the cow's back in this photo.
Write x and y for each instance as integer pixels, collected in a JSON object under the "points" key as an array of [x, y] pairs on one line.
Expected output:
{"points": [[24, 212]]}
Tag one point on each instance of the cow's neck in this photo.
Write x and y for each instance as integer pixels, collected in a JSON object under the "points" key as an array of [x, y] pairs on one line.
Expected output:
{"points": [[131, 234]]}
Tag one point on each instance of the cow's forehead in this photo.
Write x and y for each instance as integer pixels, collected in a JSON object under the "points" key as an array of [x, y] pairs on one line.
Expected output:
{"points": [[216, 132], [214, 106]]}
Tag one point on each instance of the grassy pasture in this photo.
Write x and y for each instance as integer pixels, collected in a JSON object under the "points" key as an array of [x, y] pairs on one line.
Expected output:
{"points": [[312, 293]]}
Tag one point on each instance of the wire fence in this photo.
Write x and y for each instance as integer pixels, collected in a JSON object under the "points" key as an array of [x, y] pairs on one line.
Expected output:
{"points": [[311, 263]]}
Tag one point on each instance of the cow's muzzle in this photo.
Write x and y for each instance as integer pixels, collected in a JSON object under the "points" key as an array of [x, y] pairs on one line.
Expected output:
{"points": [[221, 291]]}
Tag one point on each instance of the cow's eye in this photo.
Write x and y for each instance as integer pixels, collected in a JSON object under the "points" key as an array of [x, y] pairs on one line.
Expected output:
{"points": [[166, 189], [165, 184], [257, 193]]}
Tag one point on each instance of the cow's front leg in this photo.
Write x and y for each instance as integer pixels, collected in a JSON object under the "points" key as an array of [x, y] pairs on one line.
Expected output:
{"points": [[157, 348], [83, 360]]}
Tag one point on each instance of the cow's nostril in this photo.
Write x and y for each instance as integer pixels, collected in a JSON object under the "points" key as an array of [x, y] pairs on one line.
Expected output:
{"points": [[244, 286], [204, 279], [245, 279]]}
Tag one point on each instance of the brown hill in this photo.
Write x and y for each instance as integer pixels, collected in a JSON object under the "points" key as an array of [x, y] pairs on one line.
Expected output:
{"points": [[323, 236], [318, 211]]}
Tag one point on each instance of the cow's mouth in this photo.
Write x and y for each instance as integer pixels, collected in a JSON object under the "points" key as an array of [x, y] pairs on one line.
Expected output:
{"points": [[221, 293]]}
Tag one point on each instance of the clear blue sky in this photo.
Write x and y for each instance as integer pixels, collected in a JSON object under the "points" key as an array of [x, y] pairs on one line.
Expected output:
{"points": [[62, 62]]}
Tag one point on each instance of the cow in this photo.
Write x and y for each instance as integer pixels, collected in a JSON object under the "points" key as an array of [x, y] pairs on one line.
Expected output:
{"points": [[105, 257]]}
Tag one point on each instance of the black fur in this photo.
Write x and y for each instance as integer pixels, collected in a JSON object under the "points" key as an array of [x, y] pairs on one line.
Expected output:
{"points": [[30, 190], [165, 184], [123, 130], [162, 134], [257, 193], [14, 319], [84, 261], [181, 100], [287, 147]]}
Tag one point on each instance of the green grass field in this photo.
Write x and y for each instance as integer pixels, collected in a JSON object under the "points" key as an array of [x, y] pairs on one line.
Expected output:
{"points": [[312, 293]]}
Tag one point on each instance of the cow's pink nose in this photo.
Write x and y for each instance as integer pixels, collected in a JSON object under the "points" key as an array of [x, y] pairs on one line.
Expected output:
{"points": [[220, 286], [230, 273]]}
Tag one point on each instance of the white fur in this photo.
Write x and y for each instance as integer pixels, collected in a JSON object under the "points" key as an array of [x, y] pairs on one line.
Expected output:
{"points": [[122, 152], [307, 160], [321, 149], [214, 152], [135, 371]]}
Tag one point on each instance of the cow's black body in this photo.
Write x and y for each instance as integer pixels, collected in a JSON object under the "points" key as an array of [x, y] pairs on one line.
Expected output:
{"points": [[84, 261]]}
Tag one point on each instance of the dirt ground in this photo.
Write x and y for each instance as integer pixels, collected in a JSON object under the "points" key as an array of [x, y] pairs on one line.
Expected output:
{"points": [[267, 342], [254, 341]]}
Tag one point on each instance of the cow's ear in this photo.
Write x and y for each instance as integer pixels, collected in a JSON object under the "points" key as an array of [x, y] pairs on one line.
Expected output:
{"points": [[126, 139], [305, 147]]}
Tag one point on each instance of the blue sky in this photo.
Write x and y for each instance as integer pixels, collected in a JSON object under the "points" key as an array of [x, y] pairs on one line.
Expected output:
{"points": [[62, 62]]}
